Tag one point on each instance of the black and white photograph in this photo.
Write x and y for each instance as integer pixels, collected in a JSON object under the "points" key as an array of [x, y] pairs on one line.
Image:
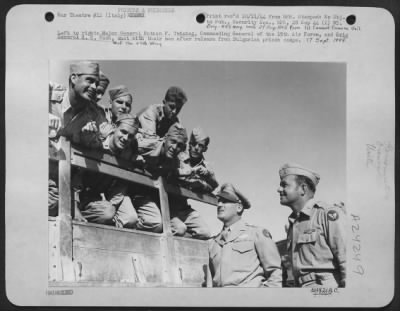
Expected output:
{"points": [[181, 162]]}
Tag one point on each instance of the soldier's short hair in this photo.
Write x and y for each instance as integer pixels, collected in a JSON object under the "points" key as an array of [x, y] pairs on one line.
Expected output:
{"points": [[176, 94], [305, 180]]}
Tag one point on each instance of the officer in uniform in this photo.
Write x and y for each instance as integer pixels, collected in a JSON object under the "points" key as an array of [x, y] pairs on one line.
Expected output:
{"points": [[242, 254], [316, 235]]}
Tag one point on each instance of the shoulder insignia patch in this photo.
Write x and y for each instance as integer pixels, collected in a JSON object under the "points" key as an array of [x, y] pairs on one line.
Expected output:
{"points": [[333, 215], [266, 233]]}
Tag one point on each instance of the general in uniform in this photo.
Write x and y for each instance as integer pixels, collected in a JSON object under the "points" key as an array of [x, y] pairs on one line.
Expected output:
{"points": [[242, 254], [316, 236]]}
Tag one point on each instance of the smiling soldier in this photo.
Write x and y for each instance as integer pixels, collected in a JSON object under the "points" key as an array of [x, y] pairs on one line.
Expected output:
{"points": [[242, 254], [160, 159], [121, 102], [104, 199], [316, 236]]}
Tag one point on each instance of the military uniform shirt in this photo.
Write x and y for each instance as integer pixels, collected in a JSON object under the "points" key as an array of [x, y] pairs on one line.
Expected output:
{"points": [[187, 177], [249, 258], [153, 122], [72, 124], [316, 240]]}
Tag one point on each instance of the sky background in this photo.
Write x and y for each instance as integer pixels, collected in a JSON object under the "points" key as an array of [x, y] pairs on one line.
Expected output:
{"points": [[259, 115]]}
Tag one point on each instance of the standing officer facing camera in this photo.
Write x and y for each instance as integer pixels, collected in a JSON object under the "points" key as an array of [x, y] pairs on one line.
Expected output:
{"points": [[242, 254], [316, 236]]}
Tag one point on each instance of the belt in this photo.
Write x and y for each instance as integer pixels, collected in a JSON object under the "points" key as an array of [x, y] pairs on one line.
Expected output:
{"points": [[313, 276]]}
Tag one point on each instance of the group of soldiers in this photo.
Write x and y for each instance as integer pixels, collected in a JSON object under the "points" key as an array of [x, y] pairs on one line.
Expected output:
{"points": [[155, 140]]}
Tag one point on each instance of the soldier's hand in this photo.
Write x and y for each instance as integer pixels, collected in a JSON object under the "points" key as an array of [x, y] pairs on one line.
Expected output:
{"points": [[78, 216], [202, 171], [90, 127], [105, 129], [54, 122]]}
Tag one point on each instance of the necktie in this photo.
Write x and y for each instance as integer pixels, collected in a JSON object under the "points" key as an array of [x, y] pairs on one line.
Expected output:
{"points": [[224, 234]]}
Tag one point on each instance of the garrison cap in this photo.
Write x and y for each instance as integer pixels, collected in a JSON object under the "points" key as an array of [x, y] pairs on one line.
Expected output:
{"points": [[103, 81], [297, 169], [118, 91], [84, 68], [176, 94], [198, 134], [232, 194], [128, 119], [178, 131]]}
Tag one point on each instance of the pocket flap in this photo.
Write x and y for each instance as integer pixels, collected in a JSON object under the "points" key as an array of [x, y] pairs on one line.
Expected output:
{"points": [[307, 237], [242, 247]]}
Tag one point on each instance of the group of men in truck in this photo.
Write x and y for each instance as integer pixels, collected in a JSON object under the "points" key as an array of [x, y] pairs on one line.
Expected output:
{"points": [[156, 141]]}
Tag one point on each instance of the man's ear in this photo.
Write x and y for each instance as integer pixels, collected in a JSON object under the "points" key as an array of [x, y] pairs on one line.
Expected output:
{"points": [[163, 101], [303, 189], [240, 208], [205, 149], [74, 77]]}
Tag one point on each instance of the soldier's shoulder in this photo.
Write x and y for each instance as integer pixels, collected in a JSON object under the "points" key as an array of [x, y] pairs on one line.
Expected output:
{"points": [[333, 211], [259, 230], [330, 206]]}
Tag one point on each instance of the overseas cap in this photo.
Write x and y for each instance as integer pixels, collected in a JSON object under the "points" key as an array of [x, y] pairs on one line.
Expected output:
{"points": [[178, 131], [128, 119], [103, 81], [198, 134], [230, 193], [297, 169], [84, 68], [118, 91], [176, 94]]}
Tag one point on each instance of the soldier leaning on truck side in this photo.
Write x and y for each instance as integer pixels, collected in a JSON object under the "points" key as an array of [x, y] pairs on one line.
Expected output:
{"points": [[104, 199], [242, 254], [316, 235], [160, 159], [74, 114], [195, 174], [156, 119]]}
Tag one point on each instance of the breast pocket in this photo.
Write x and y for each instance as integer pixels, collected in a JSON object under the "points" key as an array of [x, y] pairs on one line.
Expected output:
{"points": [[306, 248], [242, 246]]}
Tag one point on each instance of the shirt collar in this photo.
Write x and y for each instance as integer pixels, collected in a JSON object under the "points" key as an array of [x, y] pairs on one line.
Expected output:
{"points": [[306, 210]]}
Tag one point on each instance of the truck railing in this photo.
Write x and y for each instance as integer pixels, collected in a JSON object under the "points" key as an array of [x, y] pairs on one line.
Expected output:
{"points": [[183, 261]]}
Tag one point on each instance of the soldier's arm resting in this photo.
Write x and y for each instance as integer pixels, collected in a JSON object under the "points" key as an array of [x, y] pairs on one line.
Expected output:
{"points": [[148, 120], [336, 234], [269, 258]]}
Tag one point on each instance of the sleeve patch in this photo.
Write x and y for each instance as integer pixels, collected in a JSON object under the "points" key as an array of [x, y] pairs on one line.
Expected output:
{"points": [[266, 233], [333, 215]]}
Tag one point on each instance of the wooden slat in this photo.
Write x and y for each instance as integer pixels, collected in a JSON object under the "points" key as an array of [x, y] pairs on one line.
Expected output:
{"points": [[64, 180], [191, 248], [205, 198], [104, 168], [106, 158], [167, 243], [112, 266], [113, 239], [95, 160]]}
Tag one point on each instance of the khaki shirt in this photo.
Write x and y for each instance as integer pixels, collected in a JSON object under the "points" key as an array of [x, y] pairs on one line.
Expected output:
{"points": [[72, 124], [153, 122], [249, 258], [187, 177], [316, 240]]}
